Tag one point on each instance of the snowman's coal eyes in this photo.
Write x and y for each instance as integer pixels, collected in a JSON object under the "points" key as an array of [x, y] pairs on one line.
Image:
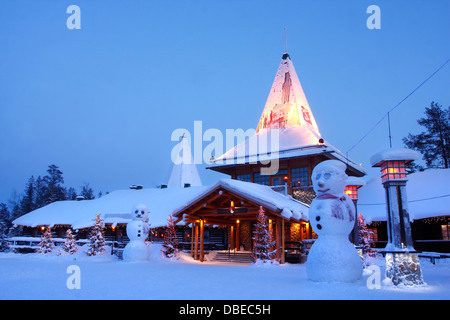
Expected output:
{"points": [[327, 175], [136, 212], [142, 212], [318, 176]]}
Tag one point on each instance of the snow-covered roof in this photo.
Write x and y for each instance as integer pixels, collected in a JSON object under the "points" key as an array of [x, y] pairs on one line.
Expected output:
{"points": [[114, 208], [394, 155], [261, 194], [428, 195], [292, 142]]}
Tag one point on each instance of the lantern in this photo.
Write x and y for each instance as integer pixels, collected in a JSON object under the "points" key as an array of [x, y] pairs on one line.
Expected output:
{"points": [[402, 262], [353, 184]]}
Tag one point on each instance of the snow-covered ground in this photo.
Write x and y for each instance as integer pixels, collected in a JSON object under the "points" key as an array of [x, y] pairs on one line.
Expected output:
{"points": [[33, 276]]}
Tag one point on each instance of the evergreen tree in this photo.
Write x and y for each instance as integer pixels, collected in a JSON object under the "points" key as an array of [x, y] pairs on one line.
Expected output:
{"points": [[97, 239], [263, 243], [14, 205], [87, 192], [70, 246], [40, 192], [46, 244], [53, 182], [365, 240], [27, 204], [434, 142], [71, 194], [5, 224], [170, 244]]}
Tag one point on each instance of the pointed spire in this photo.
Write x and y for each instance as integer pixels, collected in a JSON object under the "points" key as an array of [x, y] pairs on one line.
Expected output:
{"points": [[184, 171], [286, 105]]}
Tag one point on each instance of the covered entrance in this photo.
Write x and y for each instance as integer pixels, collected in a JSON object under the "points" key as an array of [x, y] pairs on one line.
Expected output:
{"points": [[234, 205]]}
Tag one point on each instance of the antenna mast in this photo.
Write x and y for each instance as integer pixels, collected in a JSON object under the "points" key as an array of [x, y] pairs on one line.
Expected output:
{"points": [[285, 39]]}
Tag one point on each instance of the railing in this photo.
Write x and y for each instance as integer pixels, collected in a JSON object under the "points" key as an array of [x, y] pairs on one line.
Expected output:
{"points": [[32, 243]]}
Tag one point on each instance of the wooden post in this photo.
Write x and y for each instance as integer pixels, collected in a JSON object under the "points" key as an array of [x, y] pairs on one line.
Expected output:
{"points": [[196, 242], [232, 238], [282, 241], [201, 241], [237, 236], [278, 238], [192, 239]]}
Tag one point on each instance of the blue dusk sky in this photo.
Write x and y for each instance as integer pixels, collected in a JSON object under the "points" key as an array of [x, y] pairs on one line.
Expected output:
{"points": [[102, 102]]}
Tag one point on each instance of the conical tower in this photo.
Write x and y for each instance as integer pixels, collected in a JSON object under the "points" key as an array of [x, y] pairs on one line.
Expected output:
{"points": [[184, 171], [288, 121], [287, 105]]}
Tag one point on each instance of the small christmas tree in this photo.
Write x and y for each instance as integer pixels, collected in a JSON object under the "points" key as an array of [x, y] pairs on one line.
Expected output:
{"points": [[365, 241], [97, 239], [70, 245], [170, 244], [263, 243], [46, 244]]}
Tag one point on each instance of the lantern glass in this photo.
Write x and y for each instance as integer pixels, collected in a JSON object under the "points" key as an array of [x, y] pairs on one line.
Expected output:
{"points": [[352, 192], [393, 170]]}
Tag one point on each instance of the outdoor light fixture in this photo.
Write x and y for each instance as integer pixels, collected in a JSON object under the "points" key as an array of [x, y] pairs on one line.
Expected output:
{"points": [[402, 261], [353, 184], [232, 206]]}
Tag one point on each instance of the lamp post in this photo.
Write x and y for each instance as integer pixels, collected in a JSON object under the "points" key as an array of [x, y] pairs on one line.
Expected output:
{"points": [[402, 262]]}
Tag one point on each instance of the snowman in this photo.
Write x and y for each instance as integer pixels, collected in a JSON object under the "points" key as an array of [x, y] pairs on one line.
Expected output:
{"points": [[137, 232], [332, 257]]}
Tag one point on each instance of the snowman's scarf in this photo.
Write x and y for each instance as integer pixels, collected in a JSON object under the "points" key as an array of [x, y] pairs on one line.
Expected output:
{"points": [[336, 209]]}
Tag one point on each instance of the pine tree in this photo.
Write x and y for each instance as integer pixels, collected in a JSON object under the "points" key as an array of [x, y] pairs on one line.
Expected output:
{"points": [[97, 239], [87, 192], [70, 246], [170, 244], [5, 223], [71, 194], [40, 192], [365, 240], [434, 142], [46, 244], [27, 204], [53, 182], [263, 244]]}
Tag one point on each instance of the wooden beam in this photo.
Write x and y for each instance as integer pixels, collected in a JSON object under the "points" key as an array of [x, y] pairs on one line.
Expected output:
{"points": [[202, 238], [237, 236], [282, 241], [232, 238], [192, 240], [178, 220], [278, 238], [199, 204], [196, 242]]}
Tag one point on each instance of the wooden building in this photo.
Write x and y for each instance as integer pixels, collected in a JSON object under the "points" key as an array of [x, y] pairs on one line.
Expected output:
{"points": [[234, 205]]}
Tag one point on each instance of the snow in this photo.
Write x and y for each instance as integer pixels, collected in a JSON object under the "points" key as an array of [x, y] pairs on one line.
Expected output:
{"points": [[114, 208], [270, 144], [428, 196], [33, 276], [394, 154]]}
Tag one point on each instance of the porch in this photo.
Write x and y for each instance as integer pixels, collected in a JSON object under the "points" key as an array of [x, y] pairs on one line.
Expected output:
{"points": [[234, 205]]}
